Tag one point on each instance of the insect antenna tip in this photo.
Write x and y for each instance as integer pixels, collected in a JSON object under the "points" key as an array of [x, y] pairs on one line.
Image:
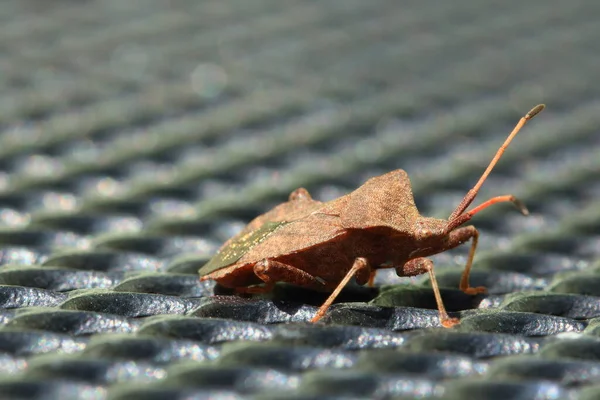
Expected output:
{"points": [[535, 111]]}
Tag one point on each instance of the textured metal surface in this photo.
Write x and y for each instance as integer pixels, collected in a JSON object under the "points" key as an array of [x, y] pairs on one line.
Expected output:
{"points": [[137, 136]]}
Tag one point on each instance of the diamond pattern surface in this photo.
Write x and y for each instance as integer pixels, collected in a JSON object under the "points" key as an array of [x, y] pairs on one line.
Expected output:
{"points": [[136, 137]]}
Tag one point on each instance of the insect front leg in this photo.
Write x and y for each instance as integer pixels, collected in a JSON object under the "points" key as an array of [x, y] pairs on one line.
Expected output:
{"points": [[458, 237], [360, 269], [421, 265]]}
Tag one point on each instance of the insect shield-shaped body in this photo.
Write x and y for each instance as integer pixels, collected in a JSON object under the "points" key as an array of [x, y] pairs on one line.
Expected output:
{"points": [[322, 246]]}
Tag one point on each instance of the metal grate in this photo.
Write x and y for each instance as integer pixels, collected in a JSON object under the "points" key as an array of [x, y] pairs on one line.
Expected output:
{"points": [[135, 137]]}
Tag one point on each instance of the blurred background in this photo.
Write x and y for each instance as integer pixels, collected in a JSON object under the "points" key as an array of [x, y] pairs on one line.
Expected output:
{"points": [[137, 136]]}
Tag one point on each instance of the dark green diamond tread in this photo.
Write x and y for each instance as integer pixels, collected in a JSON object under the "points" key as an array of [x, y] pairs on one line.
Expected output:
{"points": [[137, 136]]}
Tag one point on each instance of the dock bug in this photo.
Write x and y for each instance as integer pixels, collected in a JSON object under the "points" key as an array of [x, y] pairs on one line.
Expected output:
{"points": [[321, 246]]}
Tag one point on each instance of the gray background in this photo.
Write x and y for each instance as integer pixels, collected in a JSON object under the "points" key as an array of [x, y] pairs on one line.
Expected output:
{"points": [[137, 136]]}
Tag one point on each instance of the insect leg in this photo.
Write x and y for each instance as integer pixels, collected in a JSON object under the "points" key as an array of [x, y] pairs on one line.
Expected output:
{"points": [[422, 265], [360, 267], [270, 272], [457, 237], [371, 282]]}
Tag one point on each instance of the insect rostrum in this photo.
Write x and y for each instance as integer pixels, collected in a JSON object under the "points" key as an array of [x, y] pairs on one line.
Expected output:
{"points": [[321, 246]]}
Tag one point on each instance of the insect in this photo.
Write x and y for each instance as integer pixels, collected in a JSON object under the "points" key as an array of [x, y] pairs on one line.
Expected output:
{"points": [[322, 245]]}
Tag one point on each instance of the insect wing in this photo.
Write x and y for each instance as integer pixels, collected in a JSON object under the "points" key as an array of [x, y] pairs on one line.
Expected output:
{"points": [[236, 249], [314, 231], [288, 211]]}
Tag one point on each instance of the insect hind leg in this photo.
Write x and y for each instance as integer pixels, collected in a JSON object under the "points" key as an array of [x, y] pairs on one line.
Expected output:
{"points": [[271, 272]]}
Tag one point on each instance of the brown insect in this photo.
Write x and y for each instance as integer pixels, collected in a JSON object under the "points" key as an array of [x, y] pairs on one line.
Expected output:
{"points": [[321, 246]]}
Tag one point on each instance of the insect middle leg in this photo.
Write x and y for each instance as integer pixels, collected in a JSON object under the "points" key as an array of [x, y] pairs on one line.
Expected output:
{"points": [[360, 269]]}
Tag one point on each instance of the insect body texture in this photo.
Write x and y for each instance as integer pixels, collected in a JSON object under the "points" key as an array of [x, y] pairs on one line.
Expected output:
{"points": [[322, 246]]}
